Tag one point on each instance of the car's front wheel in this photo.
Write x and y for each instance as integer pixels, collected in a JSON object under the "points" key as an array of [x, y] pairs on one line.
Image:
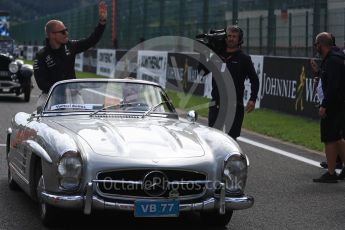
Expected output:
{"points": [[48, 213], [215, 219]]}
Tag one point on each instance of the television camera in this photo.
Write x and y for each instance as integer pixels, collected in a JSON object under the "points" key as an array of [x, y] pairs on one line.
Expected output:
{"points": [[214, 39]]}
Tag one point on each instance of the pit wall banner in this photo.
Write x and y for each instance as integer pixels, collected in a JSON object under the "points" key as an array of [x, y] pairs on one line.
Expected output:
{"points": [[106, 62], [27, 52], [90, 61], [258, 62], [152, 66], [287, 86], [78, 65], [126, 64], [30, 53], [182, 73]]}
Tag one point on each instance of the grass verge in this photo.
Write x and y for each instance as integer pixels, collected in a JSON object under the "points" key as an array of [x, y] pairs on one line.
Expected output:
{"points": [[293, 129]]}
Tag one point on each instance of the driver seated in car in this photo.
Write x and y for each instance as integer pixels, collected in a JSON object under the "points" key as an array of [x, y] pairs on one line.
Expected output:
{"points": [[66, 95]]}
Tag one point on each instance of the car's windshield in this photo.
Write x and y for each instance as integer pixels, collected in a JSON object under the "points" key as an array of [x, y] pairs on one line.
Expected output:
{"points": [[106, 96]]}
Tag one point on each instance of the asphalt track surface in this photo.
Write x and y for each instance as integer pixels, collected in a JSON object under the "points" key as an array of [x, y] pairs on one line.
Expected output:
{"points": [[285, 196]]}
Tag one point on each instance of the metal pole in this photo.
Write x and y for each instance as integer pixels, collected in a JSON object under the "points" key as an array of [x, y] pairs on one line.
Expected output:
{"points": [[274, 35], [143, 34], [205, 14], [113, 20], [181, 13], [270, 29], [316, 20], [260, 34], [234, 12], [129, 26], [325, 8], [247, 35], [306, 32], [161, 16], [290, 34]]}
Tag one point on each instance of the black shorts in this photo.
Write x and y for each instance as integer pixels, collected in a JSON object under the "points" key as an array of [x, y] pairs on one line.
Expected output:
{"points": [[332, 127]]}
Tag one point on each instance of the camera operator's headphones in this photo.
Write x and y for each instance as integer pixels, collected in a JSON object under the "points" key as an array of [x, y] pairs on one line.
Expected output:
{"points": [[237, 29]]}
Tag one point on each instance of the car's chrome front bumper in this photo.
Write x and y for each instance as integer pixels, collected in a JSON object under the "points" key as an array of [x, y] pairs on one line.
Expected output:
{"points": [[91, 201]]}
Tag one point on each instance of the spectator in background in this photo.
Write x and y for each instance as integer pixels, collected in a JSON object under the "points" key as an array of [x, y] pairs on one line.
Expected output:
{"points": [[240, 66], [332, 106], [55, 62]]}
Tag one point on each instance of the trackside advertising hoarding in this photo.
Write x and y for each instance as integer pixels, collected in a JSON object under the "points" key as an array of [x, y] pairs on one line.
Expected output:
{"points": [[182, 73], [258, 62], [78, 65], [287, 86], [152, 66], [90, 61], [106, 61]]}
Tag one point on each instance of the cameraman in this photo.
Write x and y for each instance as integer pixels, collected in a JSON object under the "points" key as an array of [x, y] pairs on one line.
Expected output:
{"points": [[240, 66]]}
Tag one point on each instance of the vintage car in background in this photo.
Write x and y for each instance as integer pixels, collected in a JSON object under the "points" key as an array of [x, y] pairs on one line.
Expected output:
{"points": [[119, 145], [15, 76]]}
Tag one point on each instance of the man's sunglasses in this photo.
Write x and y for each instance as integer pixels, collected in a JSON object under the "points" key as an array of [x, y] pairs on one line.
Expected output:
{"points": [[64, 31]]}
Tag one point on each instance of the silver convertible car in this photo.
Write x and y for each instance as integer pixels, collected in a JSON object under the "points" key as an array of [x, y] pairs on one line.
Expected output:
{"points": [[119, 145]]}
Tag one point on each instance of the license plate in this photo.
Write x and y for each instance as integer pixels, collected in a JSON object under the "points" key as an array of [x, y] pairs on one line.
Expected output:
{"points": [[6, 90], [156, 208]]}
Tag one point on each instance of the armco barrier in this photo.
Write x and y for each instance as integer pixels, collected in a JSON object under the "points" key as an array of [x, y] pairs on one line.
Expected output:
{"points": [[286, 84]]}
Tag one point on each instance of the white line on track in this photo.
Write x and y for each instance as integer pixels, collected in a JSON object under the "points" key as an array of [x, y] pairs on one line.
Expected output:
{"points": [[279, 151]]}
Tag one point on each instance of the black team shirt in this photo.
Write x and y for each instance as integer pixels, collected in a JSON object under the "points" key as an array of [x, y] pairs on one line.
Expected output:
{"points": [[241, 67]]}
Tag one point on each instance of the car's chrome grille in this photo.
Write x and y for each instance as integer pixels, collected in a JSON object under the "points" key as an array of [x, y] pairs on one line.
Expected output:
{"points": [[132, 183]]}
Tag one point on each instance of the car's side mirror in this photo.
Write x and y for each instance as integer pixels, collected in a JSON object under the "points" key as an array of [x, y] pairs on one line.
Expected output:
{"points": [[192, 116], [39, 109]]}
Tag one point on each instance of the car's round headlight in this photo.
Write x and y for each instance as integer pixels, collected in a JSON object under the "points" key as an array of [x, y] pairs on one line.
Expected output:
{"points": [[235, 173], [69, 170], [13, 67]]}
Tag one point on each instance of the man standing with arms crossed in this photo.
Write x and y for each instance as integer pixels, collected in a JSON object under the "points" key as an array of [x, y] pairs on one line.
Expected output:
{"points": [[55, 62]]}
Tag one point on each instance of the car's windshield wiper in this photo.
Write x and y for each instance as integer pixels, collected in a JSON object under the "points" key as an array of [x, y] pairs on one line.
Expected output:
{"points": [[153, 108], [115, 106]]}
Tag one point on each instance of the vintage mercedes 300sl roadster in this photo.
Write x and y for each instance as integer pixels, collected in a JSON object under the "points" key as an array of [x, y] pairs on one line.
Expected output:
{"points": [[120, 145]]}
